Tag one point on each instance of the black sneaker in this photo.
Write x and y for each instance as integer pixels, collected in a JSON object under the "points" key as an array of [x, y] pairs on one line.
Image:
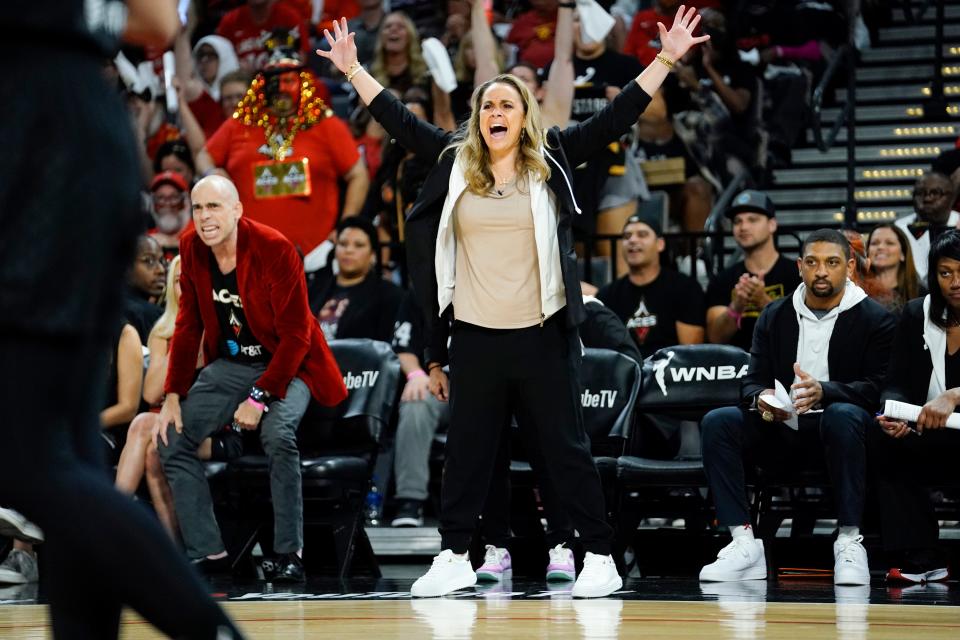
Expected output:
{"points": [[287, 567], [409, 514]]}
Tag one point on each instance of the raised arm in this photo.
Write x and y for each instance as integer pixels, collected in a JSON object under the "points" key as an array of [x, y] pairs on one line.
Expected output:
{"points": [[558, 97], [415, 135], [484, 45], [581, 141]]}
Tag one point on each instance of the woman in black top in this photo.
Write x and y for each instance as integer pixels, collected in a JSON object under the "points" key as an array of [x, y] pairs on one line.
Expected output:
{"points": [[527, 362], [924, 370]]}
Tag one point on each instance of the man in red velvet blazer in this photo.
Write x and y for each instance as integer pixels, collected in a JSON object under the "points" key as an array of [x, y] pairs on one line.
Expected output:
{"points": [[244, 295]]}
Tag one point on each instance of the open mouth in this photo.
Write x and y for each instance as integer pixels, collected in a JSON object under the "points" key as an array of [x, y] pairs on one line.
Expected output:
{"points": [[209, 231], [498, 131]]}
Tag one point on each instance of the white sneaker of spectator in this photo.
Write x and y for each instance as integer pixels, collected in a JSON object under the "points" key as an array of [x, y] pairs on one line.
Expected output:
{"points": [[599, 577], [449, 572], [742, 559], [561, 566], [850, 565], [14, 525]]}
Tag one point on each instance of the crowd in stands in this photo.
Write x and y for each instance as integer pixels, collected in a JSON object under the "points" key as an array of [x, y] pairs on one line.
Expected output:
{"points": [[254, 103]]}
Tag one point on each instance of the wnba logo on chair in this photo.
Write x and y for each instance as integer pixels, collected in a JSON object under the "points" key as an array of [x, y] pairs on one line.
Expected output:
{"points": [[666, 375]]}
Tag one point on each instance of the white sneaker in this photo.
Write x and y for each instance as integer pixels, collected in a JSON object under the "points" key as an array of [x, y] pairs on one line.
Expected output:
{"points": [[561, 566], [598, 579], [14, 525], [449, 572], [850, 564], [742, 559]]}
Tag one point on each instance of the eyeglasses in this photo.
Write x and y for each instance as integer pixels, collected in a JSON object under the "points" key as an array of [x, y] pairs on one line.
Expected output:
{"points": [[152, 262], [936, 194]]}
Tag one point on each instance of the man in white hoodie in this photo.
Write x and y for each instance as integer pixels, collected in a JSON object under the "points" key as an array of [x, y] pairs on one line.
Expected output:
{"points": [[828, 345]]}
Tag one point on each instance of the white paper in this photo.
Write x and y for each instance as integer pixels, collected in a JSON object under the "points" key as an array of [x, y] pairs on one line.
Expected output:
{"points": [[781, 400], [169, 66], [910, 412]]}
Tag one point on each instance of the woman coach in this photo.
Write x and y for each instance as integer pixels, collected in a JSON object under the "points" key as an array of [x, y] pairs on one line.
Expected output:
{"points": [[490, 245]]}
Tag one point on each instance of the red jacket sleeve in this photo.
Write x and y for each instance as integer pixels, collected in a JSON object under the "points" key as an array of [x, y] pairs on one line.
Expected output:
{"points": [[293, 320], [188, 332]]}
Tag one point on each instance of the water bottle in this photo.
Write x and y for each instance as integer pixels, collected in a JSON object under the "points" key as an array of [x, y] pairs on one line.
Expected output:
{"points": [[374, 504]]}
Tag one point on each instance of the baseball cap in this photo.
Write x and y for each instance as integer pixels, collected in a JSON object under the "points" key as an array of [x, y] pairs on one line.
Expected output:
{"points": [[171, 178], [751, 200], [650, 219]]}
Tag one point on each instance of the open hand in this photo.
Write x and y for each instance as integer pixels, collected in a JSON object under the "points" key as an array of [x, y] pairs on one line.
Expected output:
{"points": [[343, 51], [679, 39]]}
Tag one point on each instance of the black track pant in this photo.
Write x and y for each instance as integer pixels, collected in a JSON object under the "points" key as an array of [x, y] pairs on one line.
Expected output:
{"points": [[531, 372]]}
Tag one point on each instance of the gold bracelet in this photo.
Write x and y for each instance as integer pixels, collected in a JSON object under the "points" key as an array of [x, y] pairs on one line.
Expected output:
{"points": [[354, 69], [667, 62]]}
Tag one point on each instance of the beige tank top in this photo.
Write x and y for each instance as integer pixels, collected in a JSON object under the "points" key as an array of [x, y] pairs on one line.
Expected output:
{"points": [[498, 275]]}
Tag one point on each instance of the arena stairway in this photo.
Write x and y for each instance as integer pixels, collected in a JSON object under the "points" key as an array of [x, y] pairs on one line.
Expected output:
{"points": [[894, 142]]}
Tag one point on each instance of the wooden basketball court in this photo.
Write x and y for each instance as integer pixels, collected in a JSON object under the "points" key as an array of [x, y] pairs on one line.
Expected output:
{"points": [[461, 618]]}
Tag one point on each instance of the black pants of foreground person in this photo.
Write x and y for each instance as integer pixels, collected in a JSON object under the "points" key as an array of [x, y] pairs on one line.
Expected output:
{"points": [[731, 436], [904, 468], [532, 372], [69, 211]]}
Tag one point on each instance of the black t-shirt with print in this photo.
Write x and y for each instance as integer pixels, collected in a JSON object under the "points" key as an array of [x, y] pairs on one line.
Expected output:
{"points": [[781, 281], [408, 329], [651, 311], [333, 309], [591, 79], [237, 342]]}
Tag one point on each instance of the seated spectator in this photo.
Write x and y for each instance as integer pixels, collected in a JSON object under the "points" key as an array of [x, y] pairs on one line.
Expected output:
{"points": [[842, 340], [139, 459], [246, 26], [354, 301], [933, 196], [175, 156], [892, 265], [421, 414], [200, 73], [170, 210], [660, 307], [948, 163], [265, 357], [145, 283], [278, 153], [124, 388], [924, 370], [427, 15], [533, 33], [713, 99], [739, 293], [397, 59], [20, 565]]}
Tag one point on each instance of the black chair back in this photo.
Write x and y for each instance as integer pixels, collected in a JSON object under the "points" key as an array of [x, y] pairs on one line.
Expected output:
{"points": [[371, 373], [609, 384], [687, 381]]}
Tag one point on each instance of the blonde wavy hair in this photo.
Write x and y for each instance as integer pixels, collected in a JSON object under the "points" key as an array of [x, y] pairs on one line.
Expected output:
{"points": [[163, 328], [472, 151], [416, 67]]}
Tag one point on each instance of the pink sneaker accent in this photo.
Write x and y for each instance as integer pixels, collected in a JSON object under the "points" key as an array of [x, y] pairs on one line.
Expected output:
{"points": [[561, 565], [496, 565]]}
